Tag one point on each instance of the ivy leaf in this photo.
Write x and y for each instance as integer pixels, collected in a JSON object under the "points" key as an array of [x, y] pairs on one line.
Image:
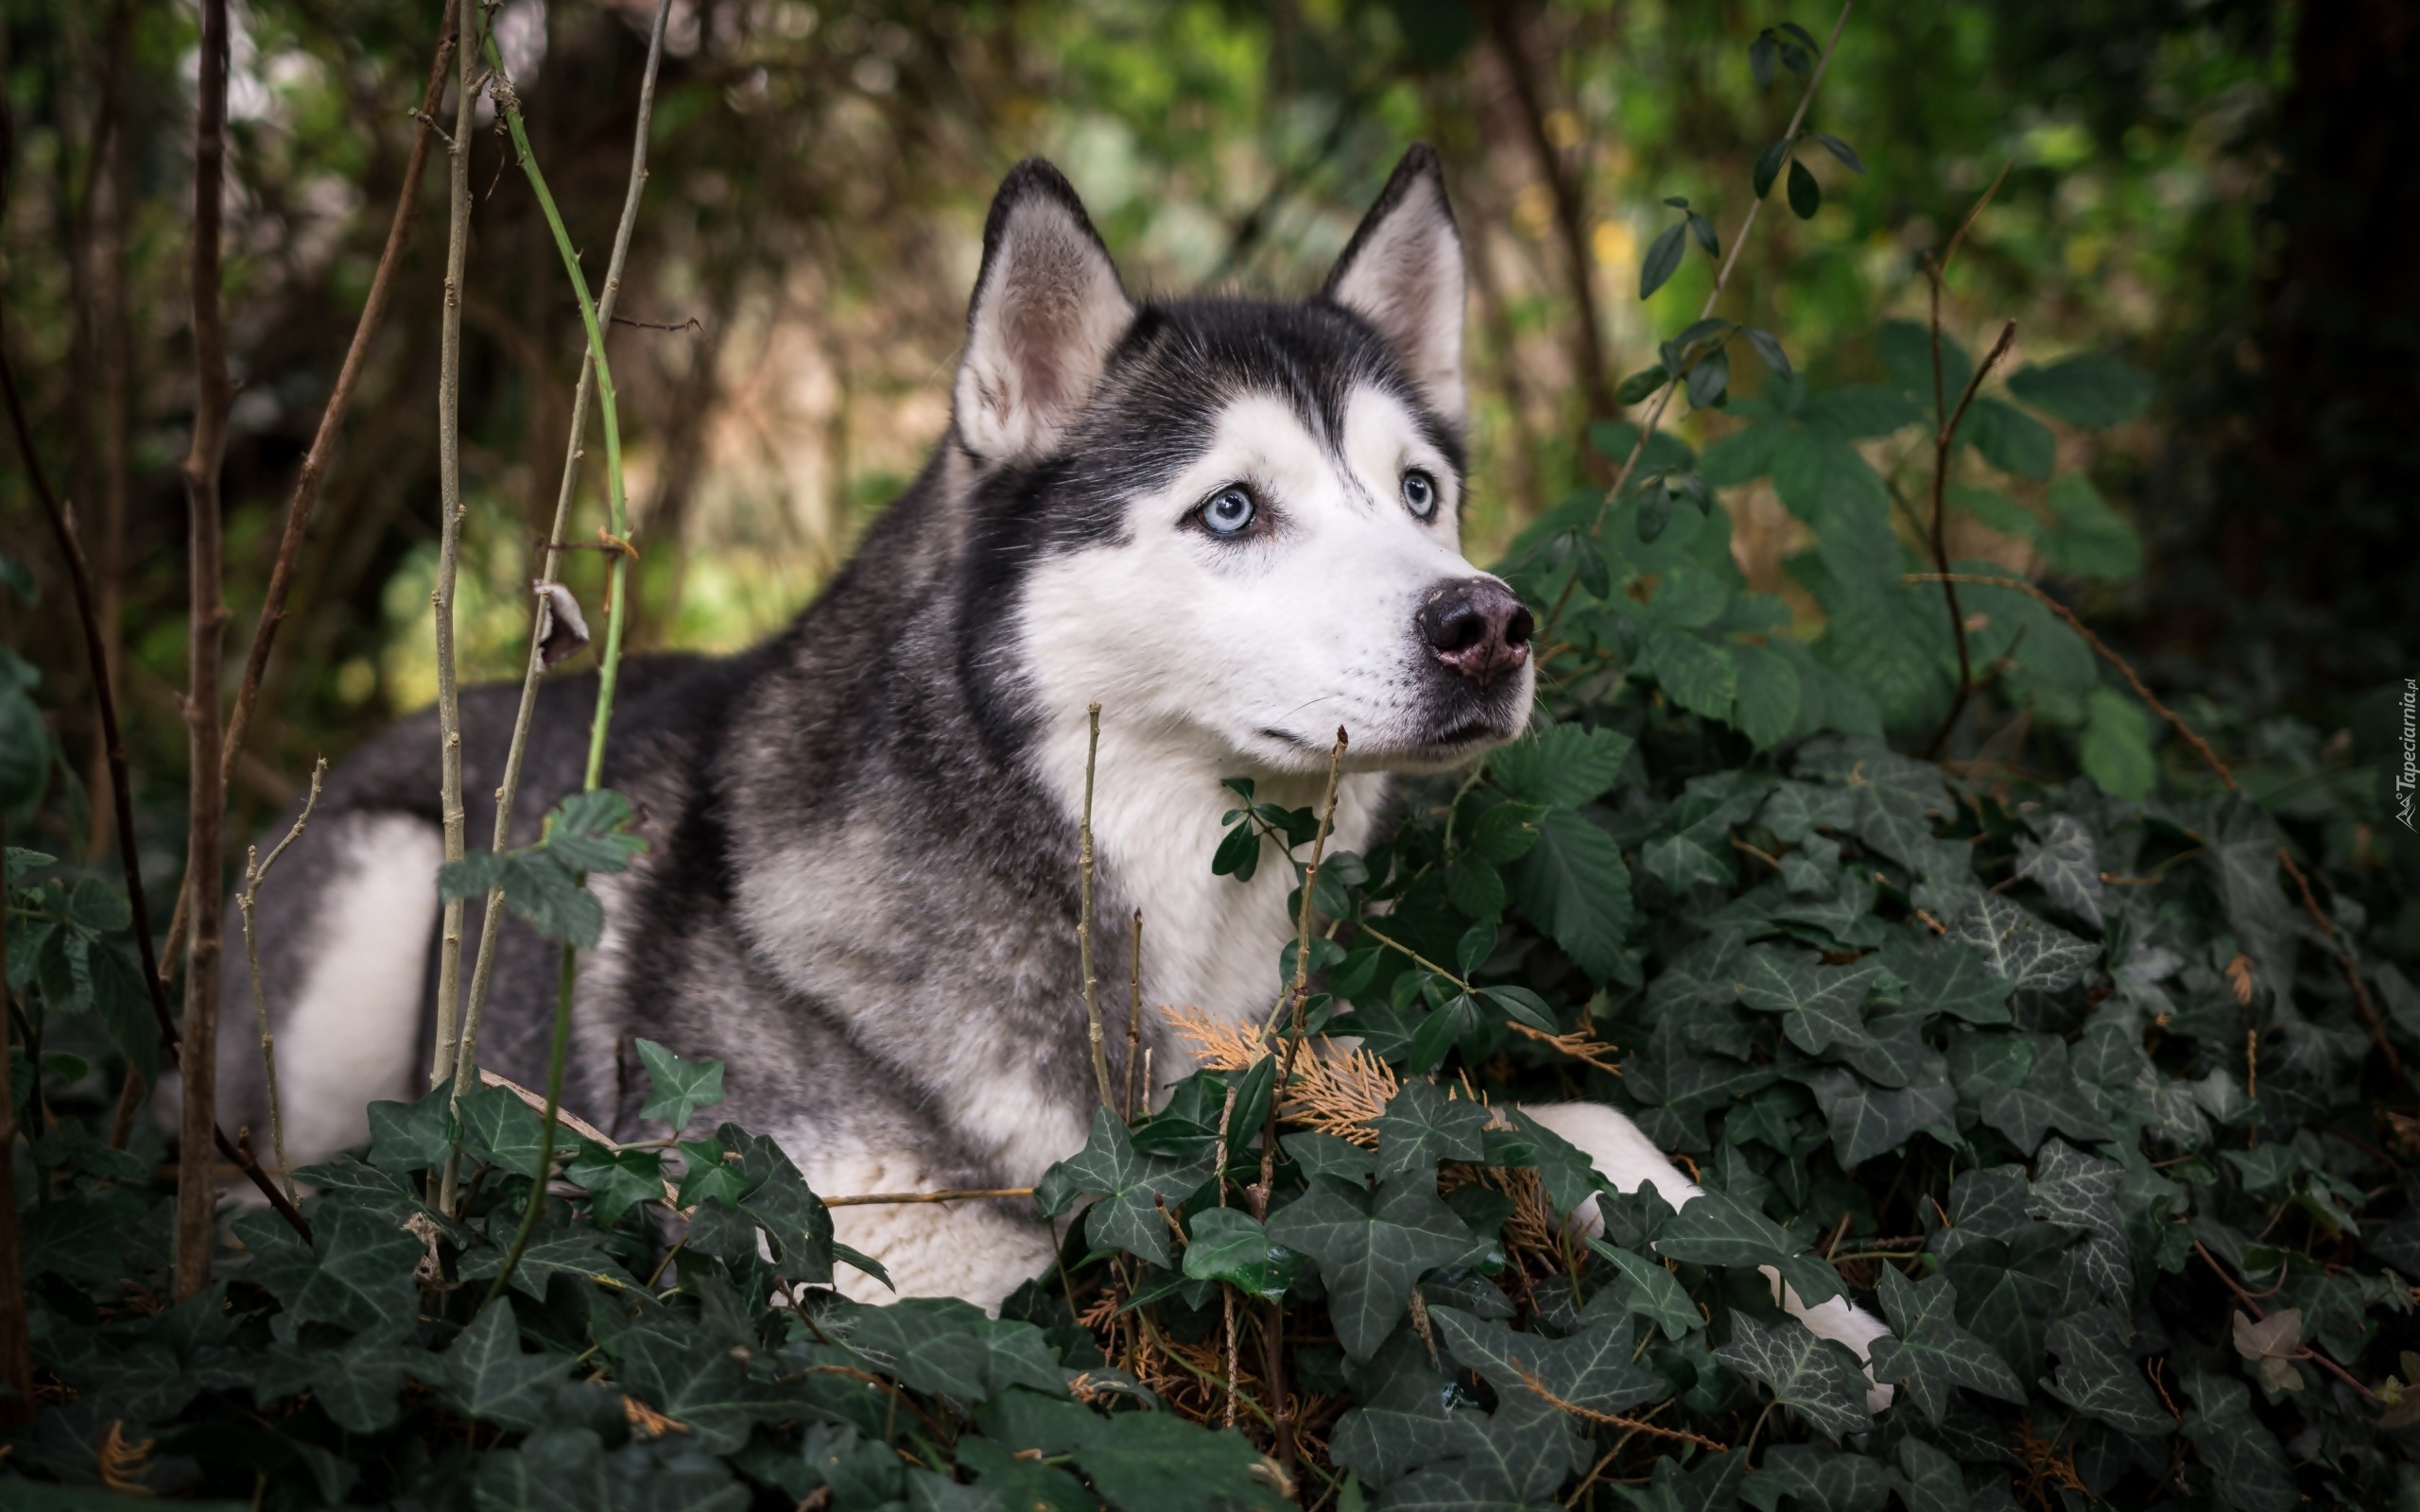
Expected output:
{"points": [[1131, 1187], [1510, 1460], [487, 1376], [1819, 1005], [1866, 1121], [1591, 1369], [2021, 949], [1811, 1477], [778, 1200], [2097, 1375], [1371, 1247], [2091, 389], [1158, 1460], [1818, 1376], [2273, 1345], [1562, 768], [2248, 1471], [1711, 1485], [1930, 1354], [500, 1129], [1229, 1244], [1717, 1229], [949, 1348], [2049, 1097], [356, 1272], [1650, 1291], [1932, 1482], [414, 1136], [2007, 1295], [1421, 1126], [2243, 858], [709, 1176], [578, 1252], [1575, 886], [678, 1088], [1943, 978], [617, 1181], [694, 1380], [2065, 865]]}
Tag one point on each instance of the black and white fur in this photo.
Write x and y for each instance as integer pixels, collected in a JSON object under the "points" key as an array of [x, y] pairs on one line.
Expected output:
{"points": [[861, 889]]}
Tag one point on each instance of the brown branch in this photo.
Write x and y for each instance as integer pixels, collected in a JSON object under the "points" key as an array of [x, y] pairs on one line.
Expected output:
{"points": [[693, 323], [2344, 958], [1945, 433], [883, 1198], [2253, 1306], [314, 463], [2100, 646], [205, 878], [79, 579], [1637, 1425]]}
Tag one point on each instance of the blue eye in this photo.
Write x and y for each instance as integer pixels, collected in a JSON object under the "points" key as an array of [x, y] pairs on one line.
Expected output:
{"points": [[1229, 512], [1419, 493]]}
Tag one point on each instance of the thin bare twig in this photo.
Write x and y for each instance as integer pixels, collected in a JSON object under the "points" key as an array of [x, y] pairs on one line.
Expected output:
{"points": [[508, 789], [1637, 1425], [256, 872], [1300, 988], [206, 878], [1945, 433], [1714, 297], [2100, 648], [616, 614], [1133, 1009], [80, 577], [315, 464], [968, 1194], [1084, 914], [449, 549]]}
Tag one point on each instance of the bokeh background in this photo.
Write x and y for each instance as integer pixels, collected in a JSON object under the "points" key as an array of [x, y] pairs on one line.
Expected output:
{"points": [[2221, 191]]}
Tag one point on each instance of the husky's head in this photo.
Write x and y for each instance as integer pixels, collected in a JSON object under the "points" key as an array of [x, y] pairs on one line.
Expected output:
{"points": [[1235, 521]]}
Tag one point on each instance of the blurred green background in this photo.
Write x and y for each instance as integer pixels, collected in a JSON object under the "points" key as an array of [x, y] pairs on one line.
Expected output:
{"points": [[2221, 191]]}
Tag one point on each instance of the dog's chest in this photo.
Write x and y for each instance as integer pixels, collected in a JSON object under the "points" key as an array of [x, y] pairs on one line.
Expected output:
{"points": [[1209, 941]]}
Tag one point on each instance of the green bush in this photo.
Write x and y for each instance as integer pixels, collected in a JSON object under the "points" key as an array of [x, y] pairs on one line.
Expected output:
{"points": [[2077, 1058]]}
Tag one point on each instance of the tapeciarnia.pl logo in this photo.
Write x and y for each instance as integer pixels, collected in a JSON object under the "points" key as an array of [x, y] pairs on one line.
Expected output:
{"points": [[2407, 778]]}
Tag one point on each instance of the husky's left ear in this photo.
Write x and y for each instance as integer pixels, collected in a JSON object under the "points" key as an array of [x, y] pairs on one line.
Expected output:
{"points": [[1403, 273], [1049, 309]]}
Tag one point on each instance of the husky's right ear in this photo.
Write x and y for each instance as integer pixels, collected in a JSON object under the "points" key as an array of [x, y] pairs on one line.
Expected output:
{"points": [[1049, 309], [1401, 272]]}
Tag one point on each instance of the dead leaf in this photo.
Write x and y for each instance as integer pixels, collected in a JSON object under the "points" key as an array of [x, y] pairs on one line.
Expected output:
{"points": [[561, 629], [2239, 978], [2275, 1342]]}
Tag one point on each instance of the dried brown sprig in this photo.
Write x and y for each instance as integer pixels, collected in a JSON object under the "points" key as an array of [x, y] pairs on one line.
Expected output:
{"points": [[123, 1463], [1332, 1090]]}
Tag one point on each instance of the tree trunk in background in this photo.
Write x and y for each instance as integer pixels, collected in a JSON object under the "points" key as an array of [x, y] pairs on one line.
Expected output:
{"points": [[2321, 526], [1571, 212]]}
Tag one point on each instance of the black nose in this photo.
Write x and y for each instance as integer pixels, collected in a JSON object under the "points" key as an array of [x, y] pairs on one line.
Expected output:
{"points": [[1477, 627]]}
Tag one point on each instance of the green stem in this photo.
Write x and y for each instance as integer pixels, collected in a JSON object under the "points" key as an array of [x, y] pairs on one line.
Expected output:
{"points": [[609, 666], [617, 521]]}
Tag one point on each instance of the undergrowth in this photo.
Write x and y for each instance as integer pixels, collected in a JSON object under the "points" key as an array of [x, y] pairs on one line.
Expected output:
{"points": [[2079, 1057]]}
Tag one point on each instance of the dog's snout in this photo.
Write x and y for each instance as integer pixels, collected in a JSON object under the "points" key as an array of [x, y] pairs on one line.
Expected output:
{"points": [[1477, 627]]}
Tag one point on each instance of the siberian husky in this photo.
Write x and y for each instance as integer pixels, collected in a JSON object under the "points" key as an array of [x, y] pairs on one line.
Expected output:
{"points": [[1234, 525]]}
